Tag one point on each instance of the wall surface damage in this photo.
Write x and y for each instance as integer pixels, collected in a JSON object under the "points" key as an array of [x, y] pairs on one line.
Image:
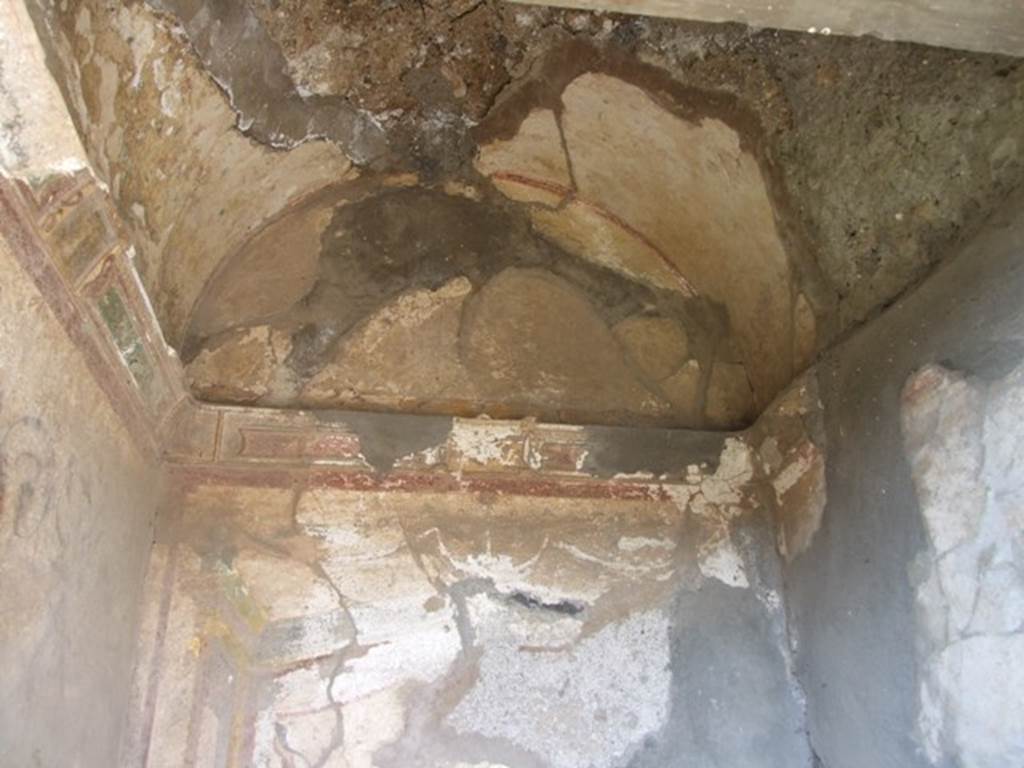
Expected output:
{"points": [[78, 477], [436, 182], [909, 592], [529, 623], [515, 389]]}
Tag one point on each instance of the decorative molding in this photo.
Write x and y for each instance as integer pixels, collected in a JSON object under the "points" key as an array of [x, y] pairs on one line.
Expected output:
{"points": [[65, 233]]}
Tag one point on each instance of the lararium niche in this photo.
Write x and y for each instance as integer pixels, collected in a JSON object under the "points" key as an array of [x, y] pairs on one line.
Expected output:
{"points": [[464, 384], [617, 254]]}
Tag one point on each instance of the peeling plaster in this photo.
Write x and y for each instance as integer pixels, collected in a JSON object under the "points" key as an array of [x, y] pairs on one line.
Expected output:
{"points": [[970, 581]]}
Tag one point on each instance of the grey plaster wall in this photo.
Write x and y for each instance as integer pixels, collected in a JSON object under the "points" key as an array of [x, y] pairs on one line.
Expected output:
{"points": [[852, 595], [734, 701]]}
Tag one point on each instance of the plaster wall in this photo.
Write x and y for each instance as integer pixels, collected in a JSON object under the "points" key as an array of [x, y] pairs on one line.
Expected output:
{"points": [[78, 478], [294, 618], [77, 496], [313, 621], [905, 609], [165, 139]]}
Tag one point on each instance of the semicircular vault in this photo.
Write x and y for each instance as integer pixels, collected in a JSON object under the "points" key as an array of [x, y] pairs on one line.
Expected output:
{"points": [[616, 255]]}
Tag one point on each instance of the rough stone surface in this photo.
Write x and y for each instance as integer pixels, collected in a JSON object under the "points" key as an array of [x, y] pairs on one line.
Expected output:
{"points": [[988, 27], [407, 351], [683, 388], [658, 345], [242, 367]]}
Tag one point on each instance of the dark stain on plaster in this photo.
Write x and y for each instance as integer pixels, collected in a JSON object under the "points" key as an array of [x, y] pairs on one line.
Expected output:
{"points": [[562, 64], [565, 607], [403, 239], [384, 438], [253, 73], [615, 450], [310, 344], [378, 247]]}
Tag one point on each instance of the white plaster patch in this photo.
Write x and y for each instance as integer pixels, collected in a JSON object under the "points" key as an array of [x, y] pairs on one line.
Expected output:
{"points": [[770, 599], [510, 575], [735, 470], [792, 473], [429, 457], [301, 719], [370, 723], [169, 84], [717, 499], [406, 643], [389, 597], [638, 475], [588, 705], [942, 424], [482, 441], [637, 543], [800, 495], [724, 562], [980, 679], [304, 606], [970, 595], [680, 495], [140, 33], [496, 621]]}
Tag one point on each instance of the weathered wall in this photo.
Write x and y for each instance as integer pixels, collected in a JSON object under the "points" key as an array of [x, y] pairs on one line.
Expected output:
{"points": [[987, 25], [76, 508], [78, 462], [907, 608], [568, 292], [301, 616], [226, 133], [158, 130]]}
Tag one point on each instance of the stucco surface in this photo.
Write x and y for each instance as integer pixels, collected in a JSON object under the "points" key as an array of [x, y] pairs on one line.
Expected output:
{"points": [[311, 622], [77, 500], [889, 606]]}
